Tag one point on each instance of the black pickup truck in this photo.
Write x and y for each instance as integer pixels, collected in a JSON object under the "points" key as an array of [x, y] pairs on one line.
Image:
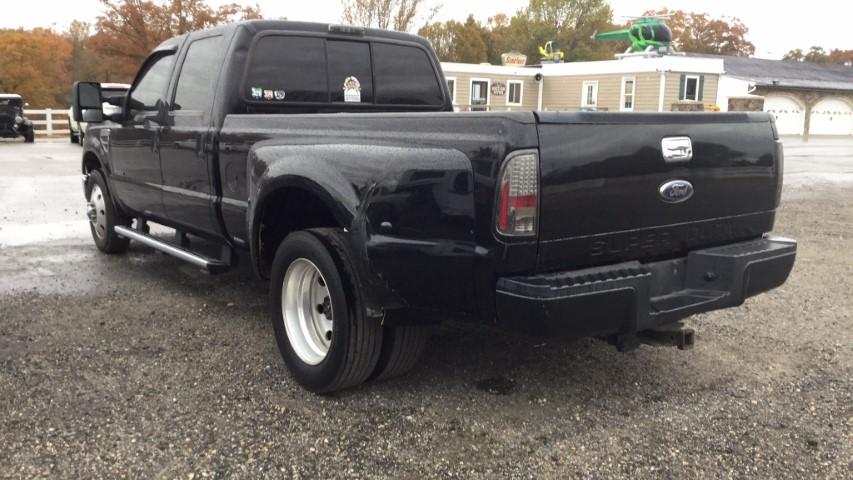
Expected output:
{"points": [[332, 155]]}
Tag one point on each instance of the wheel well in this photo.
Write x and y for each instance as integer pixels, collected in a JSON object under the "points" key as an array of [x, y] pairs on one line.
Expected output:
{"points": [[90, 162], [285, 211]]}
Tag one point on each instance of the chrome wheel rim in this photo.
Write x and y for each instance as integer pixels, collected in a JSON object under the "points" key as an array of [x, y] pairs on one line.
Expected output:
{"points": [[96, 210], [306, 307]]}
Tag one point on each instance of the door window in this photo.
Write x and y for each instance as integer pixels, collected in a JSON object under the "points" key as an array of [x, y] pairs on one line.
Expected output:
{"points": [[198, 75], [514, 93], [479, 94], [151, 87], [451, 87], [691, 88], [589, 94], [628, 94]]}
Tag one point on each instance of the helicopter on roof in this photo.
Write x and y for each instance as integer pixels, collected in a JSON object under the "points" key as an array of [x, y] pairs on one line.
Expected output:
{"points": [[646, 33]]}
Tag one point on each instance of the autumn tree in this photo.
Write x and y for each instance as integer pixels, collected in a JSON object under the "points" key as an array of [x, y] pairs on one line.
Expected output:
{"points": [[35, 65], [699, 33], [841, 57], [399, 15], [569, 23], [128, 30], [458, 42], [819, 55]]}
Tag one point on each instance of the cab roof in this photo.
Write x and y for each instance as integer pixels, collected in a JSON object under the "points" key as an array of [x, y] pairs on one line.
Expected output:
{"points": [[256, 26], [10, 95]]}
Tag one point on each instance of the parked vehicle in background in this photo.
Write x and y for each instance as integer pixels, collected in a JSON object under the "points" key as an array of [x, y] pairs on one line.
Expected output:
{"points": [[13, 123], [332, 157], [113, 94]]}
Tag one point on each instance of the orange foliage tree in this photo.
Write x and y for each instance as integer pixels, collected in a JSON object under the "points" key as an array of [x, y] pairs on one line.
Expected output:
{"points": [[699, 33], [128, 30], [34, 64]]}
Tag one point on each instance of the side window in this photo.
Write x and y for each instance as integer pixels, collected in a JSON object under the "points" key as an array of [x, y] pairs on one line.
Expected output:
{"points": [[151, 87], [349, 63], [405, 76], [288, 69], [198, 75]]}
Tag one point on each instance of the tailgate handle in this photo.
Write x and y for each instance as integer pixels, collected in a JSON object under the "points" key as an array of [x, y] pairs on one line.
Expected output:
{"points": [[676, 149]]}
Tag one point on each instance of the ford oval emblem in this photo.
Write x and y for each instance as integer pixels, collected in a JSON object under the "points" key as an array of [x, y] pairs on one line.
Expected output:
{"points": [[676, 191]]}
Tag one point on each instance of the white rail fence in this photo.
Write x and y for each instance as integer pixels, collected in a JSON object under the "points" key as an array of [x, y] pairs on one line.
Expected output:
{"points": [[50, 121]]}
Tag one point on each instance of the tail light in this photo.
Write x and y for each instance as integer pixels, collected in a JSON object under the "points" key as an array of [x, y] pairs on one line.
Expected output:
{"points": [[518, 195]]}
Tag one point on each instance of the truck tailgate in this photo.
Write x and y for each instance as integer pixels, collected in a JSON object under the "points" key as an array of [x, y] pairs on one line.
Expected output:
{"points": [[604, 183]]}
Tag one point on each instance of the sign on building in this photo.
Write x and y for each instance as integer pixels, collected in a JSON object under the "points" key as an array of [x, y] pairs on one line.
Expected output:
{"points": [[514, 59], [498, 89]]}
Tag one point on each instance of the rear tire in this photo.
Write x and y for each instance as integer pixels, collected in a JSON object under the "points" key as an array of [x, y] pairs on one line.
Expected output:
{"points": [[103, 216], [402, 347], [30, 137], [321, 327]]}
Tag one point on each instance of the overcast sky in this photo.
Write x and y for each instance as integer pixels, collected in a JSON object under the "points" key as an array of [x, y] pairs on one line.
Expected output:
{"points": [[775, 27]]}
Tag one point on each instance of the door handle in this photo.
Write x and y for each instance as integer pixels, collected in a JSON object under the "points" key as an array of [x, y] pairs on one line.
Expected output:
{"points": [[187, 144]]}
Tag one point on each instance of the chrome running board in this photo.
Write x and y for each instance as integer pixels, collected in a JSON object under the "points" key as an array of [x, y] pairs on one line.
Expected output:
{"points": [[197, 259]]}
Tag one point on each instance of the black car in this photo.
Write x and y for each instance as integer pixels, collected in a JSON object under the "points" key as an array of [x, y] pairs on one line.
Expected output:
{"points": [[13, 123]]}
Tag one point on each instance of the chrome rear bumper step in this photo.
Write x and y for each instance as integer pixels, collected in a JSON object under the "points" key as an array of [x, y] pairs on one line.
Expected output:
{"points": [[202, 261]]}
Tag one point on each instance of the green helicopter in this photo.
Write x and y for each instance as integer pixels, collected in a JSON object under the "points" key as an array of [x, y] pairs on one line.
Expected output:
{"points": [[648, 32]]}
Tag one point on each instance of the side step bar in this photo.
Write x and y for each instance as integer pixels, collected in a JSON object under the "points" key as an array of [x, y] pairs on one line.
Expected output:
{"points": [[210, 264]]}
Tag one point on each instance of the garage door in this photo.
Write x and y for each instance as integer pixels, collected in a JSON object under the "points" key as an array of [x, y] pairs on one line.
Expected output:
{"points": [[831, 116], [790, 116]]}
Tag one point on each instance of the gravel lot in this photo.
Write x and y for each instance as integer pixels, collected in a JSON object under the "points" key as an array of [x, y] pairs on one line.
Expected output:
{"points": [[140, 366]]}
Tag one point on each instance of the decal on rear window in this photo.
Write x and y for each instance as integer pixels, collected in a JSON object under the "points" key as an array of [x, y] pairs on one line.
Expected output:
{"points": [[352, 90]]}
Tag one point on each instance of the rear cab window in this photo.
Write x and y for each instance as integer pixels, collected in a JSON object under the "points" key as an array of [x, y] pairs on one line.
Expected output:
{"points": [[291, 70]]}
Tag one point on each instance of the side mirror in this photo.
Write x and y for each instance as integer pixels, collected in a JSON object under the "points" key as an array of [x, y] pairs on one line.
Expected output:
{"points": [[86, 96], [92, 115]]}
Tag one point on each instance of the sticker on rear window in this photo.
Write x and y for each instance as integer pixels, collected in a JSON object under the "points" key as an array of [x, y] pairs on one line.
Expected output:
{"points": [[257, 93], [352, 90], [279, 95], [268, 94]]}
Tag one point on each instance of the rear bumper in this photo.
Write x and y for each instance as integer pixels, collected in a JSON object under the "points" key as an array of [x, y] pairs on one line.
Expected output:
{"points": [[631, 297]]}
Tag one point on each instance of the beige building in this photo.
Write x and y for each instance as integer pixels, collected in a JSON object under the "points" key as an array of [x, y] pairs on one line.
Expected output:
{"points": [[805, 99], [657, 84], [492, 87]]}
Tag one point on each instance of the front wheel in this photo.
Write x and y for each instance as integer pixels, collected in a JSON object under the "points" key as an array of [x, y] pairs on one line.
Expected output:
{"points": [[30, 137], [103, 215], [323, 332]]}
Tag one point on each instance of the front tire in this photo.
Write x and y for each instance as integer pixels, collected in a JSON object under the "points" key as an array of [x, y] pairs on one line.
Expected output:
{"points": [[323, 332], [103, 216], [30, 137]]}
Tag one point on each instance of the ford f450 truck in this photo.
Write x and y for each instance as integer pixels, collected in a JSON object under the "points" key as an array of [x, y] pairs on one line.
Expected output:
{"points": [[333, 157]]}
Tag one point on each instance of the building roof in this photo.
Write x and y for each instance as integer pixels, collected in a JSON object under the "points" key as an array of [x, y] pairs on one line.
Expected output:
{"points": [[790, 74], [487, 69], [665, 63]]}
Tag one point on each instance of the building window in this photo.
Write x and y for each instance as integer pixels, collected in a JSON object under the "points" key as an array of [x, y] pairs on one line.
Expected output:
{"points": [[514, 92], [691, 88], [480, 94], [451, 87], [589, 94], [628, 88]]}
